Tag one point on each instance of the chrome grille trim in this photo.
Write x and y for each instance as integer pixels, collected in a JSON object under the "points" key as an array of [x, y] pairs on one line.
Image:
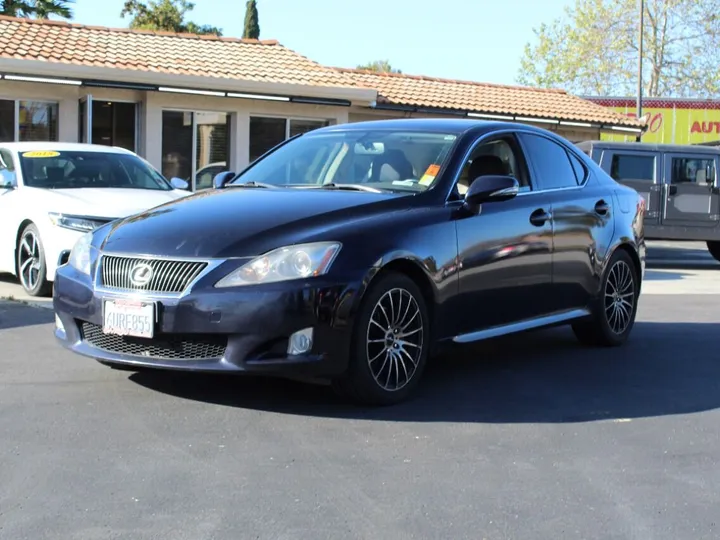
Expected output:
{"points": [[170, 276]]}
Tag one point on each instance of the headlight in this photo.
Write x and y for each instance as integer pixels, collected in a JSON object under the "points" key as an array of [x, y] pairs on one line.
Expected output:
{"points": [[80, 255], [75, 223], [285, 263]]}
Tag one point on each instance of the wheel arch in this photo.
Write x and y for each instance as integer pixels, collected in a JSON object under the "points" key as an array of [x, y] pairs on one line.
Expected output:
{"points": [[631, 250], [409, 265]]}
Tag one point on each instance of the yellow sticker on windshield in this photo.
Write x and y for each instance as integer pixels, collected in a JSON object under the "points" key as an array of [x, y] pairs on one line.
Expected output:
{"points": [[41, 153], [430, 174]]}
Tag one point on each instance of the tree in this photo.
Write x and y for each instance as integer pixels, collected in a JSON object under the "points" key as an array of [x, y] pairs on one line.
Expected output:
{"points": [[166, 15], [39, 9], [381, 66], [252, 22], [593, 49]]}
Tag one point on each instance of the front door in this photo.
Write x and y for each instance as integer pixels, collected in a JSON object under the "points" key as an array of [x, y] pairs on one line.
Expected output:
{"points": [[692, 196], [85, 119], [505, 251], [642, 171]]}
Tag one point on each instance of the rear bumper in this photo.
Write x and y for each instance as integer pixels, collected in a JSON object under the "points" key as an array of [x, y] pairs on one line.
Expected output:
{"points": [[215, 330]]}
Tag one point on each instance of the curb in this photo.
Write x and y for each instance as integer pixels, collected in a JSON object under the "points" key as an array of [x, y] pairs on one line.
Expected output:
{"points": [[31, 303]]}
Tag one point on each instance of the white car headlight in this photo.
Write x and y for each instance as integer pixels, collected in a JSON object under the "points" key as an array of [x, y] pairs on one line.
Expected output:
{"points": [[80, 258], [285, 263], [75, 223]]}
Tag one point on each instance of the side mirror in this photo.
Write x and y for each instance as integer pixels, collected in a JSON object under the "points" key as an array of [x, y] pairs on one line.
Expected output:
{"points": [[491, 188], [179, 183], [222, 178]]}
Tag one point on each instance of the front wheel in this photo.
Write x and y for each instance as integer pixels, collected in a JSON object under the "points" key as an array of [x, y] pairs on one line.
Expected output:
{"points": [[390, 343], [31, 266], [714, 249], [614, 311]]}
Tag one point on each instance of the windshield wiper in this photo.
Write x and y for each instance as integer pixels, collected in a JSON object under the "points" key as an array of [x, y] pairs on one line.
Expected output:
{"points": [[253, 183], [351, 187]]}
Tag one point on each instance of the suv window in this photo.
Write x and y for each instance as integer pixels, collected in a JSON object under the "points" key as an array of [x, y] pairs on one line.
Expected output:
{"points": [[552, 162], [692, 170], [632, 167]]}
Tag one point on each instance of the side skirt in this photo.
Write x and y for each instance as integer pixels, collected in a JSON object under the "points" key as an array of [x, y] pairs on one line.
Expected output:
{"points": [[529, 324]]}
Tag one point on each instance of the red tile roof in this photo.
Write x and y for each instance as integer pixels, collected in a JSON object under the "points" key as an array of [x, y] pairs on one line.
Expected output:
{"points": [[430, 92], [162, 52]]}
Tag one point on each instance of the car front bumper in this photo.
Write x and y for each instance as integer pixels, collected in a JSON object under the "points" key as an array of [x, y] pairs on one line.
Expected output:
{"points": [[215, 330]]}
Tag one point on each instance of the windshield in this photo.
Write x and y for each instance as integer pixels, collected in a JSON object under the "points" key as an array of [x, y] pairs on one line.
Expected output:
{"points": [[77, 169], [385, 160]]}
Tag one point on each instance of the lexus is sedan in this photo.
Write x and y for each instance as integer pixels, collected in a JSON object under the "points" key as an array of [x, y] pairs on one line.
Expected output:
{"points": [[353, 253]]}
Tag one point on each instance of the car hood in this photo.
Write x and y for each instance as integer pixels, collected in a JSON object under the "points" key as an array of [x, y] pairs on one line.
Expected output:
{"points": [[110, 203], [242, 222]]}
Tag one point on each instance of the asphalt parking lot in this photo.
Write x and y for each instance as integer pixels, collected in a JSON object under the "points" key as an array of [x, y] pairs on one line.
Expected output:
{"points": [[532, 437]]}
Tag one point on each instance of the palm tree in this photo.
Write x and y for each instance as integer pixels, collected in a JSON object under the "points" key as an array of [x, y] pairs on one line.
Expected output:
{"points": [[42, 9], [15, 8]]}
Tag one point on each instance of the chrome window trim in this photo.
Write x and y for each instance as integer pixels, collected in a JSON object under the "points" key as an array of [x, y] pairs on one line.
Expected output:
{"points": [[513, 131]]}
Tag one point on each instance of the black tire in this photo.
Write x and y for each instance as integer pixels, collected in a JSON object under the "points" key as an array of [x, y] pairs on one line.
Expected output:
{"points": [[612, 319], [363, 381], [32, 275], [714, 249]]}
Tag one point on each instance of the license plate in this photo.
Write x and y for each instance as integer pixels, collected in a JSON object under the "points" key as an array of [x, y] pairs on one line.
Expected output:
{"points": [[129, 318]]}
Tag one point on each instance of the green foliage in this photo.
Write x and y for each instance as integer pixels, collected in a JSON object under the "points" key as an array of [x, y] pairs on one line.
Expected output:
{"points": [[165, 15], [380, 66], [37, 9], [593, 49], [252, 21]]}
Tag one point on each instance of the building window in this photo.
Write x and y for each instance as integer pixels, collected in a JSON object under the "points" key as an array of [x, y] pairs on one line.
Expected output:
{"points": [[195, 146], [22, 120], [268, 132]]}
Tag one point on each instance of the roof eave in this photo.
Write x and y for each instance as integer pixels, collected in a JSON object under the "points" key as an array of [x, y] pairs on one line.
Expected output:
{"points": [[605, 126], [356, 95]]}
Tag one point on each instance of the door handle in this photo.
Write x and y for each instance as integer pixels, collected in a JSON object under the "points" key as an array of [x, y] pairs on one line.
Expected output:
{"points": [[539, 217], [601, 207], [672, 190]]}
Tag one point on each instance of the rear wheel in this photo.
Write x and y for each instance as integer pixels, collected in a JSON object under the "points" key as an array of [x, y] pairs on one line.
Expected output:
{"points": [[614, 311], [31, 267], [714, 249], [390, 343]]}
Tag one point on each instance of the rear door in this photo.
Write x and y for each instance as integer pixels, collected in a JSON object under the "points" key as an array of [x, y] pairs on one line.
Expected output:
{"points": [[692, 197], [642, 171]]}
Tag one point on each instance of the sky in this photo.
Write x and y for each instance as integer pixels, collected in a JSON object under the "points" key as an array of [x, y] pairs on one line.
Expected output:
{"points": [[477, 40]]}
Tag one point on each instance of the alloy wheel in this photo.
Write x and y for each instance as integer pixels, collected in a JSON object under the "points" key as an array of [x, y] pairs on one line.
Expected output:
{"points": [[29, 260], [619, 297], [395, 339]]}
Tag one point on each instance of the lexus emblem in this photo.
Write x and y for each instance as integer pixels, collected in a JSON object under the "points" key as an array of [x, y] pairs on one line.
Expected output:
{"points": [[141, 274]]}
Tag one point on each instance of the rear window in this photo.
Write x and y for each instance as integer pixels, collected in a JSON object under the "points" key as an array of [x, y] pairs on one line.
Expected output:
{"points": [[632, 167], [51, 169]]}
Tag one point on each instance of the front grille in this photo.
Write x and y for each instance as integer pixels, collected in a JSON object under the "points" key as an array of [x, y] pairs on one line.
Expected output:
{"points": [[168, 276], [187, 347]]}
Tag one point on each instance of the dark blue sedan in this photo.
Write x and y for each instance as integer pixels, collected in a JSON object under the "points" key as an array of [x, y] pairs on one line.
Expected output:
{"points": [[354, 252]]}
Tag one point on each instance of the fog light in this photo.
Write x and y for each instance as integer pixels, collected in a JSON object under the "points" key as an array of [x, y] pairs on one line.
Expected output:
{"points": [[300, 342], [59, 324]]}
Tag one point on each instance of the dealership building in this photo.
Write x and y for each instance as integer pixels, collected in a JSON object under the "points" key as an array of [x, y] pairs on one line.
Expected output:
{"points": [[195, 105]]}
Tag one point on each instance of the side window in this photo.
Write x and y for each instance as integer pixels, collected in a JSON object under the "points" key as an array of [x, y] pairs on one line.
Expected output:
{"points": [[692, 170], [7, 170], [500, 156], [579, 168], [624, 167], [552, 163]]}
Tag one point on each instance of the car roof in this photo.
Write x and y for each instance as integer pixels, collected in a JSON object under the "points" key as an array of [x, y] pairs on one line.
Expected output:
{"points": [[430, 125], [62, 147], [649, 147]]}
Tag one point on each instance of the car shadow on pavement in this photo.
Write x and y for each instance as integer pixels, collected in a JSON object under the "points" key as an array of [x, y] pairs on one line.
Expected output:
{"points": [[667, 275], [538, 377], [17, 315]]}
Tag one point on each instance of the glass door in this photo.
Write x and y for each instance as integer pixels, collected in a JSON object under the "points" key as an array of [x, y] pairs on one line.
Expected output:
{"points": [[85, 119]]}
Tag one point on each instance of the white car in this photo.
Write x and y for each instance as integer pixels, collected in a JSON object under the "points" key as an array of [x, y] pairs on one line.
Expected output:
{"points": [[52, 193]]}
